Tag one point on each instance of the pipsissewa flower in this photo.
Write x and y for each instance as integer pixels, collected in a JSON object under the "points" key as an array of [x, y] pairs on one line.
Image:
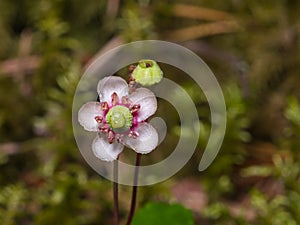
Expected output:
{"points": [[120, 119]]}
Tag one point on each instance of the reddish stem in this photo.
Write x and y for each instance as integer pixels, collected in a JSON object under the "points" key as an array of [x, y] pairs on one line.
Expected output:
{"points": [[115, 192], [134, 189]]}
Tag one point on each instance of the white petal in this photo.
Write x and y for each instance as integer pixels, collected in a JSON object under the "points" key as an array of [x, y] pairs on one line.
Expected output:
{"points": [[146, 141], [87, 113], [108, 85], [105, 151], [160, 126], [147, 100]]}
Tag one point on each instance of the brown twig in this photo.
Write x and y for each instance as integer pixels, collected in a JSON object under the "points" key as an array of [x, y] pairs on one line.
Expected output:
{"points": [[202, 30], [196, 12], [20, 66], [112, 8], [10, 148]]}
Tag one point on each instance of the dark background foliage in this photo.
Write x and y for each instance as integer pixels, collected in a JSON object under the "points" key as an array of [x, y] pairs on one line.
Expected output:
{"points": [[251, 46]]}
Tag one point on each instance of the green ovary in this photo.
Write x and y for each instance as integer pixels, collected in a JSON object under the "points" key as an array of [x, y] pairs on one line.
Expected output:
{"points": [[119, 119]]}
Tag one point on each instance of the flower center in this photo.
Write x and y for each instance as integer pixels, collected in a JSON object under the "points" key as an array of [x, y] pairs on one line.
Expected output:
{"points": [[119, 119]]}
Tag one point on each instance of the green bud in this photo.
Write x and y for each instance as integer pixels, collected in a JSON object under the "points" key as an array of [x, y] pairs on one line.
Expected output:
{"points": [[147, 72], [119, 119]]}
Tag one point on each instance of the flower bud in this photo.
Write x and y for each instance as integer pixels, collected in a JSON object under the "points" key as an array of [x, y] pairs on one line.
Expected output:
{"points": [[147, 72]]}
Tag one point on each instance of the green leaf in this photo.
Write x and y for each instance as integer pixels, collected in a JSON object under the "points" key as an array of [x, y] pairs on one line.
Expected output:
{"points": [[159, 213]]}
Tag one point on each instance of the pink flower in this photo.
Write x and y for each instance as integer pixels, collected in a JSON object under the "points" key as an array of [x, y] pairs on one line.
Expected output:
{"points": [[120, 119]]}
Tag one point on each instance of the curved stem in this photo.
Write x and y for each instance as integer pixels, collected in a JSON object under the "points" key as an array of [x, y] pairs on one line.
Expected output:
{"points": [[134, 189], [115, 192]]}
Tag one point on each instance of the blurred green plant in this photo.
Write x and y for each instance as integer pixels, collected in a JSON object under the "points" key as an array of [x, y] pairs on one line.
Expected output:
{"points": [[217, 178], [283, 207], [12, 199], [133, 26], [291, 138], [43, 177], [161, 213], [274, 211], [219, 213]]}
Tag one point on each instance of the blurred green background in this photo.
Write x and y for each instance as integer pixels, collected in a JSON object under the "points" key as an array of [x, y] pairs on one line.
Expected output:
{"points": [[253, 48]]}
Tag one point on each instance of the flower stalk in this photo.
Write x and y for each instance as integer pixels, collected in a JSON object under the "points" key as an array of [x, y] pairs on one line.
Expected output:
{"points": [[119, 118], [134, 188], [115, 192]]}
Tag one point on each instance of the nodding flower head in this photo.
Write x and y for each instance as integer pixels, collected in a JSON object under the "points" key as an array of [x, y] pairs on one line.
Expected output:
{"points": [[147, 72], [120, 119]]}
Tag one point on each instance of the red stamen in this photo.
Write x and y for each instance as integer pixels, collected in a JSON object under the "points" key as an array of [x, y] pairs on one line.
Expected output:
{"points": [[111, 137], [99, 119], [134, 108], [114, 98], [131, 83], [104, 106], [131, 68], [131, 78], [119, 138], [103, 129], [125, 100]]}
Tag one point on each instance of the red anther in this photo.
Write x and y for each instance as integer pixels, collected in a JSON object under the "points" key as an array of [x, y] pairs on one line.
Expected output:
{"points": [[131, 84], [125, 100], [119, 138], [114, 98], [131, 79], [104, 106], [133, 134], [99, 119], [103, 129], [131, 68], [134, 108], [111, 137]]}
